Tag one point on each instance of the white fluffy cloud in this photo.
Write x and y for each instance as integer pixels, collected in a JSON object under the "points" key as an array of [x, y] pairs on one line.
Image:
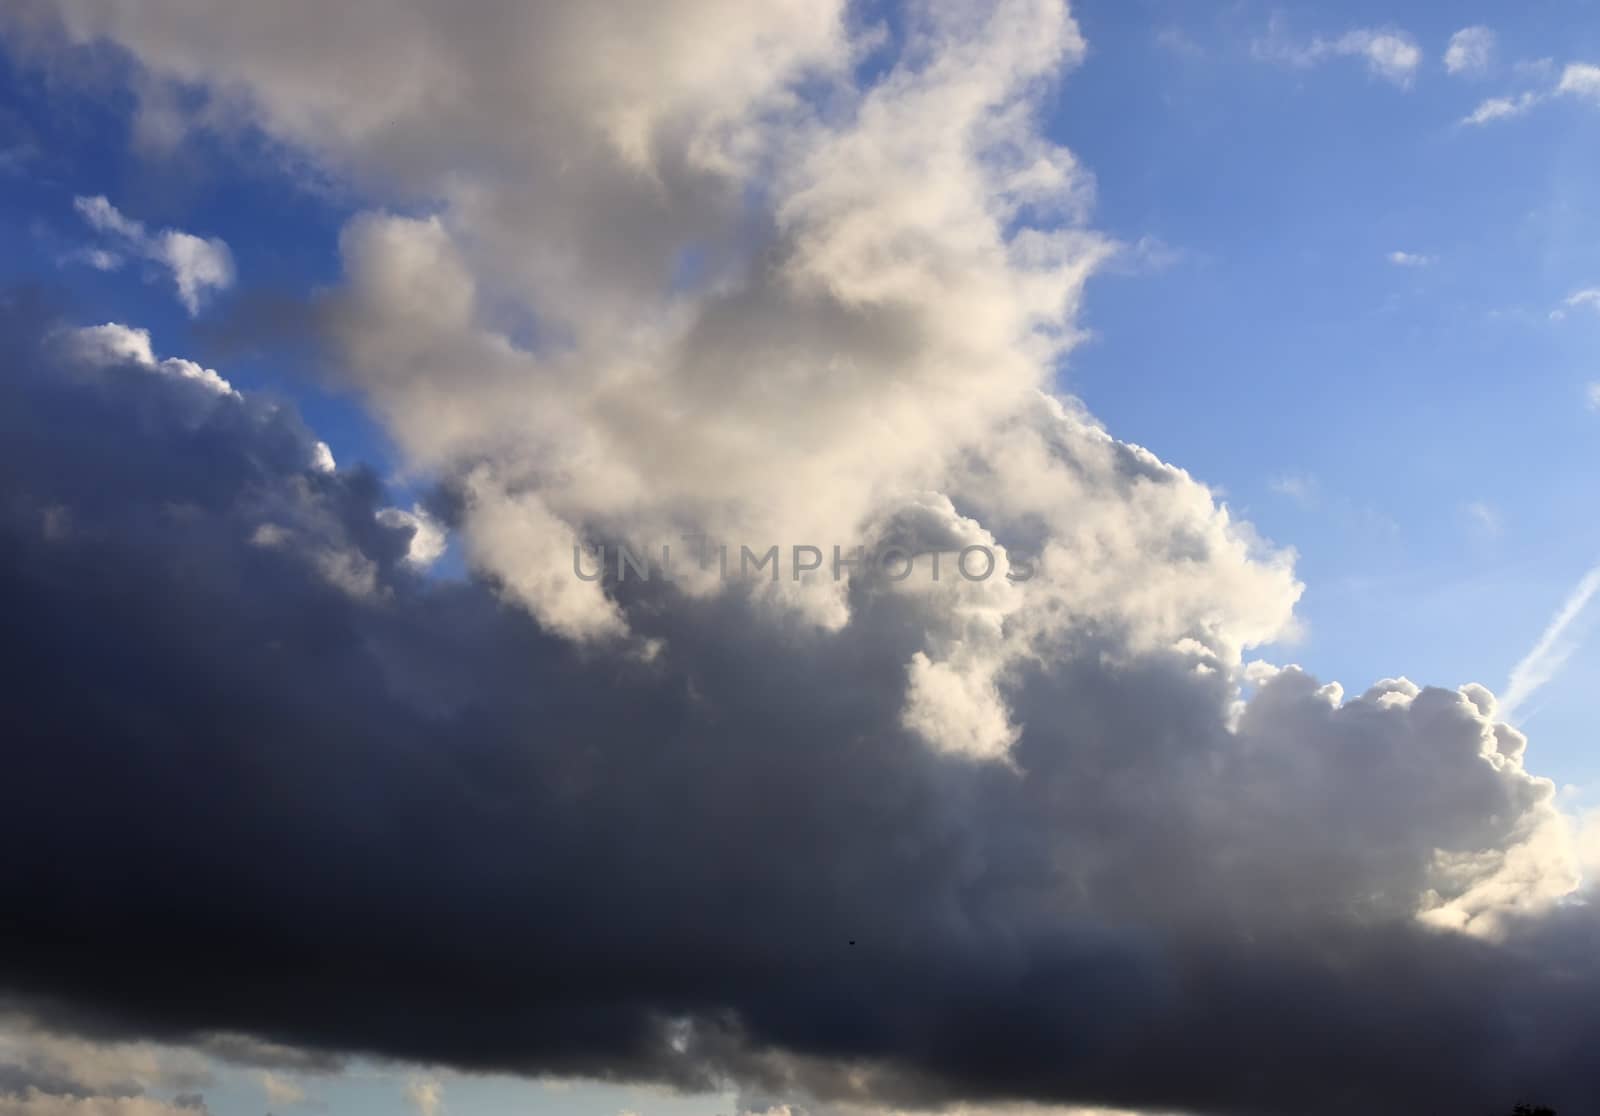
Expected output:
{"points": [[116, 344], [1580, 79], [199, 265], [1470, 51], [1394, 57], [1502, 108], [891, 337]]}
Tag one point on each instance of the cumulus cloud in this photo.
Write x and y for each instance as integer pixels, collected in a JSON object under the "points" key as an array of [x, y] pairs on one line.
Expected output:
{"points": [[629, 828], [1130, 776], [114, 344], [198, 265], [1580, 79], [1470, 51]]}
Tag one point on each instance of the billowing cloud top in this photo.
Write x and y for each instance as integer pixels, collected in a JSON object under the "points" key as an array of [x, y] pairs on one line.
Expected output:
{"points": [[779, 277]]}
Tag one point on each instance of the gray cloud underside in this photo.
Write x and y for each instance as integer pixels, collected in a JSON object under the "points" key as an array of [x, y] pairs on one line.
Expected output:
{"points": [[409, 822]]}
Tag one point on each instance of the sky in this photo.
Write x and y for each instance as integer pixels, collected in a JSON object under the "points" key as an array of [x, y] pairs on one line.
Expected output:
{"points": [[1251, 345]]}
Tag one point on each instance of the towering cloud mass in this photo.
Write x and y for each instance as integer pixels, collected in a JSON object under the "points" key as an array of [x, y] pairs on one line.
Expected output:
{"points": [[767, 274]]}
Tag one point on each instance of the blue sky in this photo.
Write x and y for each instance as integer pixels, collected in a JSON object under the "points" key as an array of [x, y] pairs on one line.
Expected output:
{"points": [[1340, 304]]}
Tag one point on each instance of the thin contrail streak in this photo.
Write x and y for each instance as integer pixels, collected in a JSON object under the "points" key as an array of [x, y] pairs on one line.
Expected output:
{"points": [[1548, 656]]}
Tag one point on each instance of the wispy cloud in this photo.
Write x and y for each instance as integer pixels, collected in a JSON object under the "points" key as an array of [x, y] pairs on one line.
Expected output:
{"points": [[1178, 41], [1470, 51], [1592, 394], [1484, 519], [1149, 255], [1409, 259], [1391, 55], [199, 265], [1296, 486], [1589, 296], [1502, 108], [1578, 79], [1551, 652]]}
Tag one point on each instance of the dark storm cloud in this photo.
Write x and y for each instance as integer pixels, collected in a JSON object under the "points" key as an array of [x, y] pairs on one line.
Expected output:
{"points": [[240, 797]]}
